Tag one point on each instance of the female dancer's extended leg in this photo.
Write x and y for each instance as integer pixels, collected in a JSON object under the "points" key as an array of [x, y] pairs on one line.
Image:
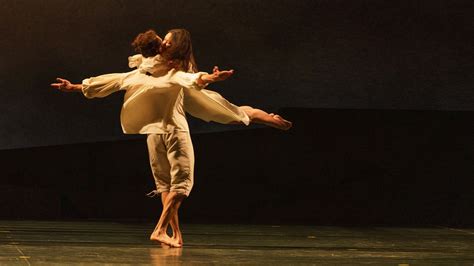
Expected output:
{"points": [[261, 117]]}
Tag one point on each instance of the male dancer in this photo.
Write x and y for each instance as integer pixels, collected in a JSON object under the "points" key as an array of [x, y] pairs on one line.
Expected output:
{"points": [[154, 106]]}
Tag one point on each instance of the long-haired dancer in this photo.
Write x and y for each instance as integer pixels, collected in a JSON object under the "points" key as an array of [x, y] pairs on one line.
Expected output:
{"points": [[176, 52]]}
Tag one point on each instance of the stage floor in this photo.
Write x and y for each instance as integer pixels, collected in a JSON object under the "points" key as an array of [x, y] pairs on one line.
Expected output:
{"points": [[97, 242]]}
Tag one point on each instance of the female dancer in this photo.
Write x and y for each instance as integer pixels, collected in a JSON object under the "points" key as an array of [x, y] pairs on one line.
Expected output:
{"points": [[204, 104]]}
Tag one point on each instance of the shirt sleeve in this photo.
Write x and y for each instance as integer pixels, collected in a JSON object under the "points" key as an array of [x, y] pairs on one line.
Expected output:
{"points": [[135, 60], [187, 80], [103, 85]]}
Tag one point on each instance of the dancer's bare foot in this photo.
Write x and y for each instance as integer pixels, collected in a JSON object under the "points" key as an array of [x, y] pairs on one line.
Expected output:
{"points": [[177, 236], [178, 240], [281, 123], [165, 239]]}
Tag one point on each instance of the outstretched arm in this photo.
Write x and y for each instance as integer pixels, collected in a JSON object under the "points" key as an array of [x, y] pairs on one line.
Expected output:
{"points": [[66, 86], [216, 75], [95, 87], [198, 80]]}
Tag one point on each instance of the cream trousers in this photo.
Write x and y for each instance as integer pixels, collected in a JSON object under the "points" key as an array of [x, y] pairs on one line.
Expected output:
{"points": [[172, 161]]}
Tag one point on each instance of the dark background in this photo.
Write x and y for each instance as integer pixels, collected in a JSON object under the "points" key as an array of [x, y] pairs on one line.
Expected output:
{"points": [[380, 93], [413, 55], [335, 167]]}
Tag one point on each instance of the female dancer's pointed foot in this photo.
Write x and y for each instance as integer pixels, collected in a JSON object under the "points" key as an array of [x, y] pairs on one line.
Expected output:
{"points": [[163, 238], [282, 123]]}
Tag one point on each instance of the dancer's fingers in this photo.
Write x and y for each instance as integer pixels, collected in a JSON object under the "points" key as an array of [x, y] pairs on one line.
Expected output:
{"points": [[227, 73], [215, 69]]}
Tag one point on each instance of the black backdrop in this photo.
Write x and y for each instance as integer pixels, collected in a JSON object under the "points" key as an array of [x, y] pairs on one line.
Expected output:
{"points": [[335, 167], [305, 53], [381, 96]]}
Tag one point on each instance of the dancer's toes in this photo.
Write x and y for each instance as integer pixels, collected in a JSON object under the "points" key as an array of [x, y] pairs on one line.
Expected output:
{"points": [[163, 238], [177, 245], [283, 123], [178, 240]]}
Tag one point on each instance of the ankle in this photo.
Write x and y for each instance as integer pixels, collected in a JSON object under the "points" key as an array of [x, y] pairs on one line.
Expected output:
{"points": [[160, 232]]}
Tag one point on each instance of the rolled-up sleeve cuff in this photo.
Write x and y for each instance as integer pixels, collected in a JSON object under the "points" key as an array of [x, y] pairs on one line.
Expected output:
{"points": [[85, 88], [196, 77]]}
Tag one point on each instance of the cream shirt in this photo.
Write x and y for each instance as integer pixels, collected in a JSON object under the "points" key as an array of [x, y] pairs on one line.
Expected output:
{"points": [[204, 104], [152, 105]]}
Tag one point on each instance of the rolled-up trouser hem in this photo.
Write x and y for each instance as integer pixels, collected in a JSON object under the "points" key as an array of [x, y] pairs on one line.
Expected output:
{"points": [[157, 192]]}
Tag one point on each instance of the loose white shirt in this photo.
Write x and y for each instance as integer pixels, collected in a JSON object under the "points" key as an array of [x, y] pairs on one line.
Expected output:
{"points": [[152, 105], [203, 104]]}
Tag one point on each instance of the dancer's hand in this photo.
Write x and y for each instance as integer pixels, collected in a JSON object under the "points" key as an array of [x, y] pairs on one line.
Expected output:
{"points": [[217, 75], [221, 75], [66, 85]]}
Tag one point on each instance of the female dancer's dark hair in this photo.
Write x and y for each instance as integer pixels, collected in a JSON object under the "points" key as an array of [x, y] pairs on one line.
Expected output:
{"points": [[181, 52]]}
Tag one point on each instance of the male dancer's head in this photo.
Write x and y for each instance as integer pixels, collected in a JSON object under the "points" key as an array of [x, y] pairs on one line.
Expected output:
{"points": [[147, 43]]}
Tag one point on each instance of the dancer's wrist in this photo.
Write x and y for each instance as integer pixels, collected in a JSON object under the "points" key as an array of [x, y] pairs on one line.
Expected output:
{"points": [[74, 87], [205, 79]]}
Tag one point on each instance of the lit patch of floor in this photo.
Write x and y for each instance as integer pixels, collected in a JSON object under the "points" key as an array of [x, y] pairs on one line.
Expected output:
{"points": [[86, 242]]}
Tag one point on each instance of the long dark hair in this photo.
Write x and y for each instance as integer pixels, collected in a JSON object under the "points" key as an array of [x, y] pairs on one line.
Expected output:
{"points": [[181, 51]]}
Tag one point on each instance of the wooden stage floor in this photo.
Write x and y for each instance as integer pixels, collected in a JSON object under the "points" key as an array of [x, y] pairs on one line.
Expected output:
{"points": [[126, 243]]}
